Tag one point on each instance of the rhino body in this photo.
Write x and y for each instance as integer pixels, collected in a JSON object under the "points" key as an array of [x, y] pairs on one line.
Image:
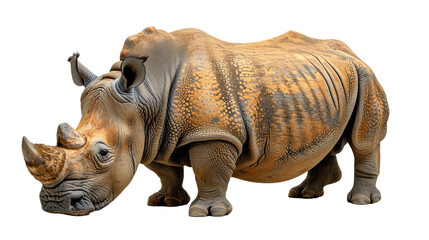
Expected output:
{"points": [[264, 112]]}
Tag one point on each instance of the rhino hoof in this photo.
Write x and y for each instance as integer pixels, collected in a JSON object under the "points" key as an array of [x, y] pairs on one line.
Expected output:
{"points": [[364, 198], [215, 211], [196, 211], [215, 208], [163, 199], [300, 192]]}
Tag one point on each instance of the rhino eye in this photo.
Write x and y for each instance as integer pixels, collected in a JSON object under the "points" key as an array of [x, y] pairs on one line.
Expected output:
{"points": [[104, 152]]}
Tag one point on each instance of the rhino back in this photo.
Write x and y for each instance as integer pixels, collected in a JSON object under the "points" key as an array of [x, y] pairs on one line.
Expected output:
{"points": [[281, 102]]}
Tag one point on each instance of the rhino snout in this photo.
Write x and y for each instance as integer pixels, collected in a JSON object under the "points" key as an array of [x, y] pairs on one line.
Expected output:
{"points": [[72, 203]]}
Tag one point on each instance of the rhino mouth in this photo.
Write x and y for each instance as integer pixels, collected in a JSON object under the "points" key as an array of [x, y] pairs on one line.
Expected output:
{"points": [[72, 203], [77, 202]]}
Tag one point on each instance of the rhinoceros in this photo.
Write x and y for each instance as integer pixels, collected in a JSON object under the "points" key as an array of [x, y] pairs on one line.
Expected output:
{"points": [[265, 112]]}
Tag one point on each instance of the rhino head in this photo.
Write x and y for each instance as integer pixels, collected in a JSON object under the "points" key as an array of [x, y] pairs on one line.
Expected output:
{"points": [[91, 165]]}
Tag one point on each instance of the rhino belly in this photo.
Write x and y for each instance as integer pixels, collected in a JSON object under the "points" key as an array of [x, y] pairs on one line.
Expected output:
{"points": [[274, 167], [277, 156], [276, 173]]}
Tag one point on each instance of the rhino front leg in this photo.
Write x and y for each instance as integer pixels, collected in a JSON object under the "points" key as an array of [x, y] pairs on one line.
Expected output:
{"points": [[367, 168], [172, 192], [213, 163]]}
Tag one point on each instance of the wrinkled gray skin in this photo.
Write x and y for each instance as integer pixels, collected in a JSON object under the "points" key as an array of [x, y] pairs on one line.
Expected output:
{"points": [[121, 125], [90, 166], [156, 107]]}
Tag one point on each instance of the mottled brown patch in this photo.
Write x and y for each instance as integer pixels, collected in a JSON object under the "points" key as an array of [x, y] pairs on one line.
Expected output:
{"points": [[49, 170], [287, 99]]}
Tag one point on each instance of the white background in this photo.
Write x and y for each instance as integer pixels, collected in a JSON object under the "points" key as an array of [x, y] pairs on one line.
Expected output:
{"points": [[37, 93]]}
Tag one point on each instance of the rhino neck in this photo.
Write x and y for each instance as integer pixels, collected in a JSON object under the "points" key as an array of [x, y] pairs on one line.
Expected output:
{"points": [[154, 104]]}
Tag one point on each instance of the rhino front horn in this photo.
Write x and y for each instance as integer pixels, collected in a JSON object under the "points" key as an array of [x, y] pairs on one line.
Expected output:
{"points": [[67, 137], [31, 155], [45, 163]]}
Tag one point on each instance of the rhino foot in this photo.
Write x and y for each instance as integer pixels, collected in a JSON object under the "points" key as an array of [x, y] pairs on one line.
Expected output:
{"points": [[210, 207], [324, 173], [162, 198], [363, 194], [303, 191]]}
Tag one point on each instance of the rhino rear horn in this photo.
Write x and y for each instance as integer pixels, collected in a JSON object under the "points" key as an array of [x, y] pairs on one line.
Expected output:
{"points": [[133, 73], [67, 137], [81, 75]]}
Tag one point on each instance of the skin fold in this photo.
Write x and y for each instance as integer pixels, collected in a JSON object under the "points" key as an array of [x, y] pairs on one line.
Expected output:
{"points": [[267, 111]]}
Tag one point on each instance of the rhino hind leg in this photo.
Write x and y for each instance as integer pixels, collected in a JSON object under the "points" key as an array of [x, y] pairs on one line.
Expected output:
{"points": [[171, 192], [213, 163], [369, 129], [324, 173]]}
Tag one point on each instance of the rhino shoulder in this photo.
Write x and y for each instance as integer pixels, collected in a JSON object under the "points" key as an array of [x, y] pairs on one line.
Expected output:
{"points": [[191, 34]]}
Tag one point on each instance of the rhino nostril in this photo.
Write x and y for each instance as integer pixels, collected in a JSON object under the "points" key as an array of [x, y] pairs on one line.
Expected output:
{"points": [[78, 204]]}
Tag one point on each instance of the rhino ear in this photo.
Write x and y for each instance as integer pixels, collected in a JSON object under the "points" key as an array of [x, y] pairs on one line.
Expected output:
{"points": [[133, 73], [80, 74]]}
